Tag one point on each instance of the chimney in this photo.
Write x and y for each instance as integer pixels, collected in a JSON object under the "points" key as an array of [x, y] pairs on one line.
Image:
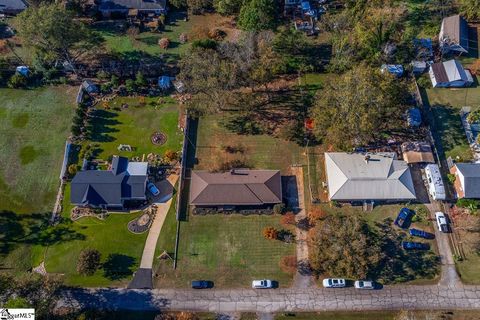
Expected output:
{"points": [[367, 158]]}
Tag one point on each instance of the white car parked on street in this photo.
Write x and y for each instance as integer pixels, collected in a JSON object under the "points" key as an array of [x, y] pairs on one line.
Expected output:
{"points": [[364, 284], [262, 284], [334, 283]]}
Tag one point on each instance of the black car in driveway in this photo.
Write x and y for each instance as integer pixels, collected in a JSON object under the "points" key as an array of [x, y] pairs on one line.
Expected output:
{"points": [[202, 284]]}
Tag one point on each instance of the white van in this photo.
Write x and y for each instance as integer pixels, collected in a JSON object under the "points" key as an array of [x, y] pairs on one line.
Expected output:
{"points": [[435, 182]]}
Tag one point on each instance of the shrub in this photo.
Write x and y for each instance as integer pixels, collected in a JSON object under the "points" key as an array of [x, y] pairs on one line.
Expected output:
{"points": [[164, 43], [278, 208], [183, 38], [102, 75], [72, 169], [88, 262], [171, 155], [217, 34], [140, 80], [288, 264], [316, 214], [471, 204], [451, 178], [204, 44], [130, 85], [288, 219], [114, 81], [270, 233], [17, 81]]}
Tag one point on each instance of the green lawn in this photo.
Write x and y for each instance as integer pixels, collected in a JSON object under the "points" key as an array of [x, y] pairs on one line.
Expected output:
{"points": [[261, 151], [34, 125], [121, 250], [134, 126], [118, 41], [227, 249], [446, 105]]}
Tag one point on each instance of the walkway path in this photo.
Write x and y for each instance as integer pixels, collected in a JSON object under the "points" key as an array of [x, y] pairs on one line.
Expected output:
{"points": [[303, 278]]}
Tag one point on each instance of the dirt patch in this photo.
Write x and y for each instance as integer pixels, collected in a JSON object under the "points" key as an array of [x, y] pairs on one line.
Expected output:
{"points": [[203, 23]]}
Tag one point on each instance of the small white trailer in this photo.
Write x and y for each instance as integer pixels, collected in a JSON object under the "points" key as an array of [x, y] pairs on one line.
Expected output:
{"points": [[435, 182]]}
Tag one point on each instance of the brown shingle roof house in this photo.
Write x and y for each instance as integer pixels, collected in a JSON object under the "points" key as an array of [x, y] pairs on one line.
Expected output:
{"points": [[236, 188]]}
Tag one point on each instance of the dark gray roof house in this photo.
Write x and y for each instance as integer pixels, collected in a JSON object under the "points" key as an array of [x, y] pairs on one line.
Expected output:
{"points": [[236, 188], [454, 34], [12, 7], [110, 188], [108, 7]]}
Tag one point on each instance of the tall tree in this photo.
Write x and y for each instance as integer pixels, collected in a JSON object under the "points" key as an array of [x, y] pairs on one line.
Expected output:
{"points": [[360, 107], [256, 15], [228, 6], [470, 9], [51, 31], [343, 246]]}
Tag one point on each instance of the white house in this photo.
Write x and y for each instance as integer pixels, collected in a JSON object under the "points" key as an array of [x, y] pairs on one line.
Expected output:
{"points": [[449, 74]]}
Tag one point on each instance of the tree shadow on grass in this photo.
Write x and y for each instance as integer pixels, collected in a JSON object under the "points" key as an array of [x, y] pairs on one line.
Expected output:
{"points": [[33, 229], [118, 266], [449, 125], [101, 125]]}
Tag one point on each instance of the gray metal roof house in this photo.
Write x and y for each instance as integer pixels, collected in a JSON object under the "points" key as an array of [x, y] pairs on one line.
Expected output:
{"points": [[107, 7], [362, 177], [109, 189], [237, 187], [12, 7], [454, 34], [449, 74]]}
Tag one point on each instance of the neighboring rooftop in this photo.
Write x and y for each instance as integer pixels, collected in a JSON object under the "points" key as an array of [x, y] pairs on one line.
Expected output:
{"points": [[236, 187], [125, 180], [471, 174], [454, 31], [12, 6], [449, 72], [113, 5], [359, 176]]}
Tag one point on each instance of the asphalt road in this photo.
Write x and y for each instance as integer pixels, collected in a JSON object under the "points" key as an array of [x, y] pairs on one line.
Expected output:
{"points": [[431, 297]]}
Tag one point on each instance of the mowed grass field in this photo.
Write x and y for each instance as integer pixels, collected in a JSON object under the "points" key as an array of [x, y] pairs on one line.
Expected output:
{"points": [[135, 125], [34, 125], [227, 249], [446, 105], [260, 151]]}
